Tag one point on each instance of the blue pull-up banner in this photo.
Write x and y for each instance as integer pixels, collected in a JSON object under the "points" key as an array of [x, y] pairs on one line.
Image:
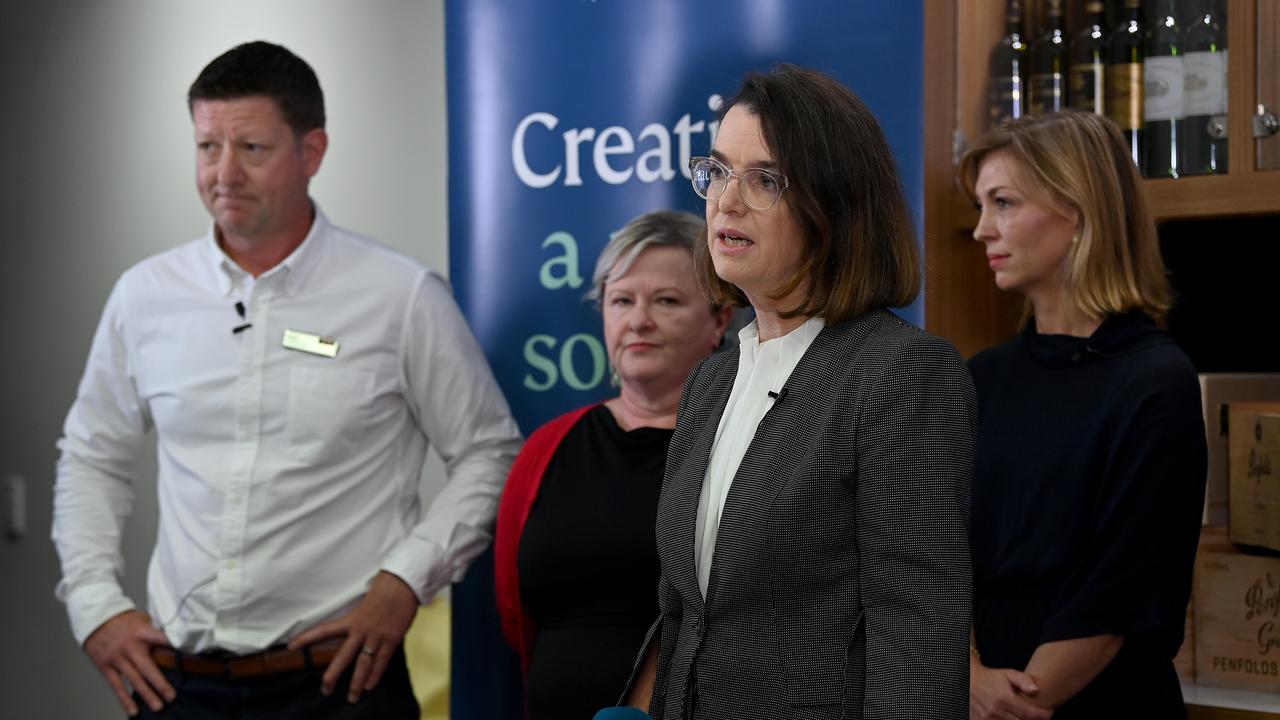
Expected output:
{"points": [[567, 118]]}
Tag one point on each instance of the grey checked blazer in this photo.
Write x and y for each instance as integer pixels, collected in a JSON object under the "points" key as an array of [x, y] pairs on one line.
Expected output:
{"points": [[840, 585]]}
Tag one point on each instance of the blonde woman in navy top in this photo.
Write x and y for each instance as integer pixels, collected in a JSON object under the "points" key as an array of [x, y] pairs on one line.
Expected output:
{"points": [[1091, 446]]}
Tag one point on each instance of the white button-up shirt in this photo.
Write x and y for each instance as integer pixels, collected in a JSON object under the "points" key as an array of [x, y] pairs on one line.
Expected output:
{"points": [[286, 479]]}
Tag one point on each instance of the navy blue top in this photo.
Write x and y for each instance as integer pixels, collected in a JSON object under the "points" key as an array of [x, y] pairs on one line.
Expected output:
{"points": [[1087, 503]]}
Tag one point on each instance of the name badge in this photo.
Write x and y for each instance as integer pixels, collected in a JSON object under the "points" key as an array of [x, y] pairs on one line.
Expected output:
{"points": [[308, 343]]}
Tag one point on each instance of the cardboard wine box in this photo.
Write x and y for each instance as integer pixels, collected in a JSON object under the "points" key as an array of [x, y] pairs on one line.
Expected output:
{"points": [[1254, 443], [1217, 391], [1237, 611]]}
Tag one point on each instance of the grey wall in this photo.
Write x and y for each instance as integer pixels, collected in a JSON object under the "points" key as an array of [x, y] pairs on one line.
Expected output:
{"points": [[96, 172]]}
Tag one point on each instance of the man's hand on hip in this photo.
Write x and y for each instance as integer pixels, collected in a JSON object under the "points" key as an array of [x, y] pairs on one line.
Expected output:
{"points": [[373, 631], [121, 649]]}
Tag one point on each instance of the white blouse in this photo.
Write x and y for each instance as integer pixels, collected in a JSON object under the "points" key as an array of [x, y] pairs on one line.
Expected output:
{"points": [[763, 368]]}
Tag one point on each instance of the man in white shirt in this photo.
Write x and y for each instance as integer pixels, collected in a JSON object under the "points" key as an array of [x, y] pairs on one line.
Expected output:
{"points": [[294, 373]]}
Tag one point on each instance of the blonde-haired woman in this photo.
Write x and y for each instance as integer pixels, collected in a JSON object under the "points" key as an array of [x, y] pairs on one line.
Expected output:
{"points": [[1091, 446], [574, 557]]}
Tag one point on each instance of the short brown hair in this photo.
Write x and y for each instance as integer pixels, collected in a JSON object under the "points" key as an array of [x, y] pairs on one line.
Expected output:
{"points": [[1081, 161], [860, 249], [266, 69]]}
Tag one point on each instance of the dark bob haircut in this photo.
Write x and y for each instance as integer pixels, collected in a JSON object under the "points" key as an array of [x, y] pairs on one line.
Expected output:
{"points": [[860, 249]]}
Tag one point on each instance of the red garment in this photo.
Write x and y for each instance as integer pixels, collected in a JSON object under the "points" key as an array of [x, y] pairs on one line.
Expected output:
{"points": [[517, 500]]}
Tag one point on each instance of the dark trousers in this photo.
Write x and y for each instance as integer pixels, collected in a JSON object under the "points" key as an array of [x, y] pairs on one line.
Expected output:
{"points": [[287, 696]]}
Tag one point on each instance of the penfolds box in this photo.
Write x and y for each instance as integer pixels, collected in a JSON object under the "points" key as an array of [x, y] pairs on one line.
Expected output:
{"points": [[1237, 611], [1253, 441], [1217, 392]]}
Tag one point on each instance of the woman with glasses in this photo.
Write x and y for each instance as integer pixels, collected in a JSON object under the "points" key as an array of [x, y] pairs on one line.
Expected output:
{"points": [[813, 523], [1091, 446], [574, 556]]}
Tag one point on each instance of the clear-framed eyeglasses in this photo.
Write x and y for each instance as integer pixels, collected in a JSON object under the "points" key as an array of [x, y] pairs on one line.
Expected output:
{"points": [[759, 188]]}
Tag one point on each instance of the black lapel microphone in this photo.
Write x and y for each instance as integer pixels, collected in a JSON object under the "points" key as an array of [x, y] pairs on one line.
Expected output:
{"points": [[240, 328], [777, 396]]}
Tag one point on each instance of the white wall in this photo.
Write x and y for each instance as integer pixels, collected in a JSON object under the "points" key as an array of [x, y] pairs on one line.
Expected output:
{"points": [[96, 172]]}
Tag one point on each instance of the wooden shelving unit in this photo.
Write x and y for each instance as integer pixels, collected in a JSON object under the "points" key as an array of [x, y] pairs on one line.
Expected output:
{"points": [[961, 300], [1211, 703]]}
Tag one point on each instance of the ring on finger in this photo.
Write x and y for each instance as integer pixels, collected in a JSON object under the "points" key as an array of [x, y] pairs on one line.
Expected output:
{"points": [[366, 650]]}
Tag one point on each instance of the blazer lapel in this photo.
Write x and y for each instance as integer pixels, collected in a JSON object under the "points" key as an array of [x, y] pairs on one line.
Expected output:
{"points": [[762, 473], [704, 420]]}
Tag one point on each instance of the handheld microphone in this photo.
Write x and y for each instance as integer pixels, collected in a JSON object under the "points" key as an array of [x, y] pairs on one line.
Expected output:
{"points": [[240, 328]]}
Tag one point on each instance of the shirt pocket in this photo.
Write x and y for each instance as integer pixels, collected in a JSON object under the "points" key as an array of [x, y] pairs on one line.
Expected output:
{"points": [[330, 410]]}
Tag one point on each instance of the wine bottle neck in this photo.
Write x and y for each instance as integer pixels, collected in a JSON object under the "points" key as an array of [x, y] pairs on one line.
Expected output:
{"points": [[1055, 14], [1013, 18]]}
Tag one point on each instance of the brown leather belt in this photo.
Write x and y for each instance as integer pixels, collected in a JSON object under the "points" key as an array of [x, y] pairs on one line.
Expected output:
{"points": [[267, 662]]}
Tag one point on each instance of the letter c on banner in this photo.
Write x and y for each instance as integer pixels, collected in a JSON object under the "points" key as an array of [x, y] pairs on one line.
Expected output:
{"points": [[518, 159]]}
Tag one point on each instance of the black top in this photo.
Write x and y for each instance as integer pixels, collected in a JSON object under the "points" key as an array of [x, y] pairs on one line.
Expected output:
{"points": [[1087, 505], [589, 565]]}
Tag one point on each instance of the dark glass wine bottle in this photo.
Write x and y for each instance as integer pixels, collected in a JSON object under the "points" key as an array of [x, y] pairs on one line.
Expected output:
{"points": [[1124, 78], [1007, 92], [1049, 65], [1204, 124], [1087, 86], [1163, 80]]}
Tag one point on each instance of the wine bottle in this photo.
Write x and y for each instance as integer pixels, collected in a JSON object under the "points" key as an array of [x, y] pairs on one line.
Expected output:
{"points": [[1124, 78], [1087, 86], [1007, 93], [1049, 65], [1163, 81], [1204, 100]]}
